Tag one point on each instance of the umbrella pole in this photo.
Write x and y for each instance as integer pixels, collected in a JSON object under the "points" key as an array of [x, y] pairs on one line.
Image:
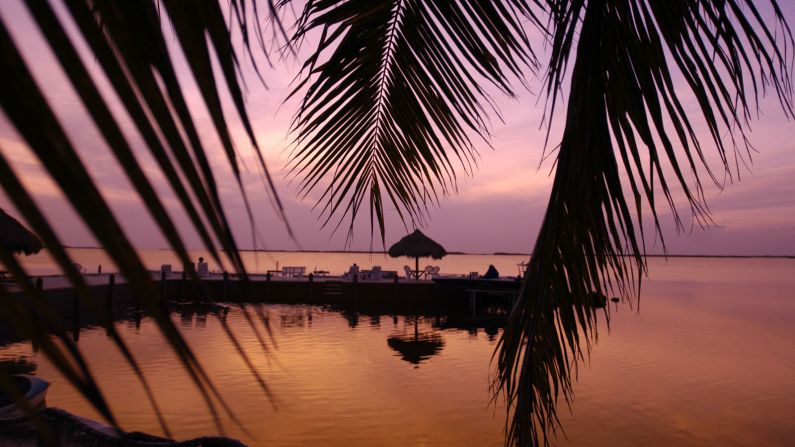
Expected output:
{"points": [[417, 267]]}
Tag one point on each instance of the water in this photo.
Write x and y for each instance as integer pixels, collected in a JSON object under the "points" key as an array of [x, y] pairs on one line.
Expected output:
{"points": [[709, 359]]}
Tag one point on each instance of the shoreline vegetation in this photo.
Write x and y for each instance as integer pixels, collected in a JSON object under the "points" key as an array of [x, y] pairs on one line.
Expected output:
{"points": [[496, 253]]}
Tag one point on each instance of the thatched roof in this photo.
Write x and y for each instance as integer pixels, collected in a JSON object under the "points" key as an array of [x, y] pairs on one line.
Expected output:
{"points": [[16, 237], [415, 245]]}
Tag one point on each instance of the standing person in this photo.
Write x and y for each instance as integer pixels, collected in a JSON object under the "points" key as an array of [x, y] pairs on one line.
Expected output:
{"points": [[203, 268], [353, 271]]}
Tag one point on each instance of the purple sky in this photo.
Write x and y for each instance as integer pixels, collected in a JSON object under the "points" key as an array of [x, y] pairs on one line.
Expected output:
{"points": [[498, 209]]}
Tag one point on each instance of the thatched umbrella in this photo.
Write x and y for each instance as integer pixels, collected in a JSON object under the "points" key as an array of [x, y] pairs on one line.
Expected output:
{"points": [[417, 245], [17, 238]]}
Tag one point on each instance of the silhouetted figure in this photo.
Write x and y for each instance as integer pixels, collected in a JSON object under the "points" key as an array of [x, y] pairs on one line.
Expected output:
{"points": [[491, 273], [353, 271], [203, 269]]}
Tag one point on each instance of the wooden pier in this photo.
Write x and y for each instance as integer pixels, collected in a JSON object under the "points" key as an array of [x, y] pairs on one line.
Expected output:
{"points": [[390, 296]]}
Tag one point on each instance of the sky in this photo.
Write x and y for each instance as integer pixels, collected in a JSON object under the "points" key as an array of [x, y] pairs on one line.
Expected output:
{"points": [[497, 209]]}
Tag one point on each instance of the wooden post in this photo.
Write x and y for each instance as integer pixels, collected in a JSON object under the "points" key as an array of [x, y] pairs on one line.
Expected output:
{"points": [[311, 281], [396, 288], [76, 316], [111, 285], [226, 286], [99, 269], [355, 282], [162, 287], [268, 286], [183, 286], [109, 301], [40, 289]]}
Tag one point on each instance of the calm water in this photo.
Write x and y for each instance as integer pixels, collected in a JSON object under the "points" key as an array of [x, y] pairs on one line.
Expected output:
{"points": [[709, 359]]}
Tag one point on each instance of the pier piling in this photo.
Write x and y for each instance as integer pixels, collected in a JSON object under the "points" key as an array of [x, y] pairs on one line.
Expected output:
{"points": [[183, 286], [39, 288], [162, 287], [109, 296], [226, 286], [75, 316], [355, 282], [109, 301]]}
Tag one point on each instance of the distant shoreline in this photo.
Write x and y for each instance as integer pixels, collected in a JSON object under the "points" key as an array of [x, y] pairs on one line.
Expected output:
{"points": [[498, 253]]}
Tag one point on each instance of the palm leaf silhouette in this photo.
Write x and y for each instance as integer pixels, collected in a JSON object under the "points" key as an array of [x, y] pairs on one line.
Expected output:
{"points": [[390, 94], [393, 96], [624, 116], [127, 41]]}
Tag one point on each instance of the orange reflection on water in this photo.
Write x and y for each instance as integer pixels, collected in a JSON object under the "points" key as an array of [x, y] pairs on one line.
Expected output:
{"points": [[708, 360]]}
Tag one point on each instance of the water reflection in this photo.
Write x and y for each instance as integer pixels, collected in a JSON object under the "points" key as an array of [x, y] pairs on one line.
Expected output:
{"points": [[19, 365], [193, 313], [707, 336], [294, 318], [334, 385], [418, 347]]}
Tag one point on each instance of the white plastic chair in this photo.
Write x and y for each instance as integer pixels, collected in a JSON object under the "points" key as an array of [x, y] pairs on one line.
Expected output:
{"points": [[428, 271]]}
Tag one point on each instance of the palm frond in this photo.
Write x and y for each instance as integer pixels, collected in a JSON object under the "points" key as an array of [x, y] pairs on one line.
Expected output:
{"points": [[391, 95], [623, 108], [127, 40]]}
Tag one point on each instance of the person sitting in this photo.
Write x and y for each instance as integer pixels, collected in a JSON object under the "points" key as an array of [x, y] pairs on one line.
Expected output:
{"points": [[203, 269], [353, 271], [491, 273]]}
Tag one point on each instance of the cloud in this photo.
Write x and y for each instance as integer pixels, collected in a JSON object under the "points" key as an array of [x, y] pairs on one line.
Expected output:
{"points": [[499, 208]]}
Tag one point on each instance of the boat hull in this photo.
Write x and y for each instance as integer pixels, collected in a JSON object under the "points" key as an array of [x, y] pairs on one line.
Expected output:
{"points": [[33, 388]]}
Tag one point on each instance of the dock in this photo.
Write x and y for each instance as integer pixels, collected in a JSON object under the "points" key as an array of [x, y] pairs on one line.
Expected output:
{"points": [[395, 296]]}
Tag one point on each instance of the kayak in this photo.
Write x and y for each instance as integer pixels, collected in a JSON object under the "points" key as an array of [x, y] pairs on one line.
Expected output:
{"points": [[32, 388]]}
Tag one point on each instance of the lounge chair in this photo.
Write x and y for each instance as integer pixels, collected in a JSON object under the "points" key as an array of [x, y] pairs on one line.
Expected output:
{"points": [[376, 274], [293, 272]]}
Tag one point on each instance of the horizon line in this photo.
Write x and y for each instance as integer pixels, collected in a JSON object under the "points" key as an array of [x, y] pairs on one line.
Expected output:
{"points": [[497, 253]]}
